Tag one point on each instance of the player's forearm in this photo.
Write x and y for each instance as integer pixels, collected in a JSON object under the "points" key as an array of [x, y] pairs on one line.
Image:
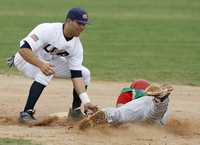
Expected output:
{"points": [[79, 85], [28, 55], [80, 89]]}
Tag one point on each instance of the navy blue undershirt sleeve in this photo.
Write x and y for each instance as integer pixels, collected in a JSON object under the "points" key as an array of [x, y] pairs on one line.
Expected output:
{"points": [[25, 45], [76, 74]]}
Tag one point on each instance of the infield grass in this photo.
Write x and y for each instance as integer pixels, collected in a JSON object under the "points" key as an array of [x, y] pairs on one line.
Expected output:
{"points": [[151, 39], [7, 141]]}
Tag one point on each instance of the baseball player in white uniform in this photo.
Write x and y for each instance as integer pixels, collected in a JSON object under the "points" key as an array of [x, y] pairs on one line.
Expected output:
{"points": [[54, 49], [151, 108], [137, 90]]}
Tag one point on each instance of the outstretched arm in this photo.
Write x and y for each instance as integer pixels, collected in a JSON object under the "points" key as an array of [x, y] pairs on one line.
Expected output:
{"points": [[80, 89]]}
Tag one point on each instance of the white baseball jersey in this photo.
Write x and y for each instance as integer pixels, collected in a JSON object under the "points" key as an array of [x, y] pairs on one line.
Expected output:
{"points": [[48, 42]]}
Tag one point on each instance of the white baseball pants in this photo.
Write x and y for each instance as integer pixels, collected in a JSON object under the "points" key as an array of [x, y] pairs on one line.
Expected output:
{"points": [[141, 109], [60, 67]]}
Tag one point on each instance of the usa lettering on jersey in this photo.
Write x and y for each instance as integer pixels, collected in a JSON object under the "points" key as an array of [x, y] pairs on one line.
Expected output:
{"points": [[55, 51]]}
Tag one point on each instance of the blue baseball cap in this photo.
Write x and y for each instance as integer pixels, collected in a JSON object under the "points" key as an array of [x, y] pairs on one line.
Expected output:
{"points": [[78, 14]]}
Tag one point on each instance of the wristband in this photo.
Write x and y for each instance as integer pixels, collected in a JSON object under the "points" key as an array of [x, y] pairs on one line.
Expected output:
{"points": [[84, 97]]}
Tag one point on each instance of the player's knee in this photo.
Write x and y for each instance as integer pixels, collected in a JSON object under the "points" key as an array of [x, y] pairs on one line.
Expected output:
{"points": [[86, 76], [43, 79]]}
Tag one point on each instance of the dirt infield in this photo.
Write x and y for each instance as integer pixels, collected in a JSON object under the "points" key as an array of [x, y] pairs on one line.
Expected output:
{"points": [[183, 127]]}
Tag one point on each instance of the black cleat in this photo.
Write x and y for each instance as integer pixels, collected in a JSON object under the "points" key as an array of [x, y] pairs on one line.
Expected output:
{"points": [[75, 115], [166, 91], [26, 117]]}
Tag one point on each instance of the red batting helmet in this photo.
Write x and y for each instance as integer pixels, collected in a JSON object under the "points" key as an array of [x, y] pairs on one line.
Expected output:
{"points": [[140, 84]]}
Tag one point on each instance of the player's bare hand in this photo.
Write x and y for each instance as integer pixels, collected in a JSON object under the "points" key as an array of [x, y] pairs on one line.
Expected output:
{"points": [[90, 109], [47, 69]]}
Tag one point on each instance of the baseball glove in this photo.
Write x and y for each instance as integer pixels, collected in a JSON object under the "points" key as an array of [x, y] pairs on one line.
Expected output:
{"points": [[153, 90], [97, 118]]}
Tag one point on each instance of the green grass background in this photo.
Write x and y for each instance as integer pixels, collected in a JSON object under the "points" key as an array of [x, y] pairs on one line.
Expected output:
{"points": [[7, 141], [156, 40]]}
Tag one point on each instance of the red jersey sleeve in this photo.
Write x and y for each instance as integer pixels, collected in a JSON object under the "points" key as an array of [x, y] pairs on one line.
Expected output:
{"points": [[124, 98]]}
